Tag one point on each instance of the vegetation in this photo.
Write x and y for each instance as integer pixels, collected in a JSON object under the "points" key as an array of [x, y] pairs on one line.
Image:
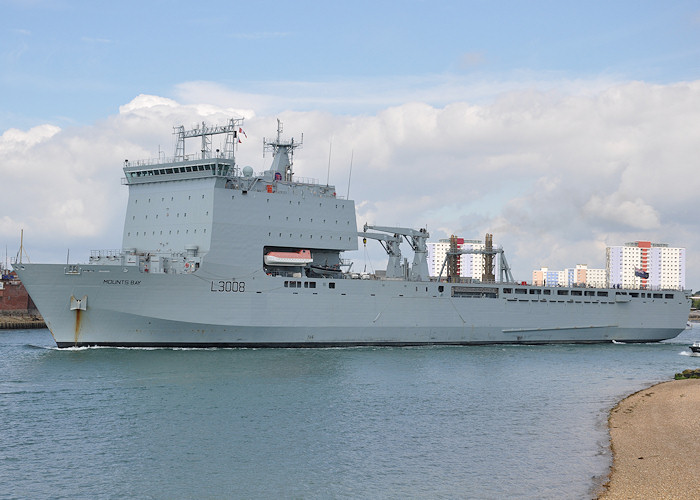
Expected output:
{"points": [[688, 374]]}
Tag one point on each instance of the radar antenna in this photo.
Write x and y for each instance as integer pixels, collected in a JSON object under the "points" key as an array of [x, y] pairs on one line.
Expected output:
{"points": [[231, 130]]}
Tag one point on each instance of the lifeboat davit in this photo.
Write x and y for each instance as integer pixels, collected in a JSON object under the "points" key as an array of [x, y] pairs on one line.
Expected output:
{"points": [[300, 258]]}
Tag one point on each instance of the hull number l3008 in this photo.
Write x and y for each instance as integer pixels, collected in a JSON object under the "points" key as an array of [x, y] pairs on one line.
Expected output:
{"points": [[227, 286]]}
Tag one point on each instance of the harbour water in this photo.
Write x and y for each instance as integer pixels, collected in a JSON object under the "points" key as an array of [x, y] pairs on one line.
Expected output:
{"points": [[428, 422]]}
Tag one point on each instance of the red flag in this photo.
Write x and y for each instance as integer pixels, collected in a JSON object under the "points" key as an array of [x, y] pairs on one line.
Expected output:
{"points": [[240, 131]]}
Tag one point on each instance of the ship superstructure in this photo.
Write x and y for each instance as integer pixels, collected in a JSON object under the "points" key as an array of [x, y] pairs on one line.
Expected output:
{"points": [[216, 255]]}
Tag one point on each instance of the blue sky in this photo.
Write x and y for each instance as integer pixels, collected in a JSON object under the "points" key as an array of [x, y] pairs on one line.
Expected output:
{"points": [[67, 62], [561, 127]]}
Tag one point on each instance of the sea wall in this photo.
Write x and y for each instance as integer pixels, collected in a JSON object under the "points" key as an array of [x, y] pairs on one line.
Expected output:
{"points": [[17, 310], [21, 320]]}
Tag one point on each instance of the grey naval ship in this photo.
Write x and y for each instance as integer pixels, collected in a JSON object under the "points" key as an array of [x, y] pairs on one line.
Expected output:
{"points": [[217, 256]]}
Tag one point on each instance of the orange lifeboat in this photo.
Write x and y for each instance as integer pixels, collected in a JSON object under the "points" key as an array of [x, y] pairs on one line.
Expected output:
{"points": [[299, 258]]}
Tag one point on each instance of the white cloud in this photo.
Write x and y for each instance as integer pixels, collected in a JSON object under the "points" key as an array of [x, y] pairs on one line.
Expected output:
{"points": [[19, 141], [634, 213], [556, 175], [145, 103], [371, 95]]}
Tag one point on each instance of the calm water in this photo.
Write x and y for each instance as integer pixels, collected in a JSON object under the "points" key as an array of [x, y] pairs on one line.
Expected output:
{"points": [[438, 422]]}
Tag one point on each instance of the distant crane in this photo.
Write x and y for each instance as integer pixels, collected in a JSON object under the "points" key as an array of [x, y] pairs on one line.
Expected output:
{"points": [[506, 275]]}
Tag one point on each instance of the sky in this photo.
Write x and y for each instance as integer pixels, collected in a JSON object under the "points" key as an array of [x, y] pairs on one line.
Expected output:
{"points": [[559, 127]]}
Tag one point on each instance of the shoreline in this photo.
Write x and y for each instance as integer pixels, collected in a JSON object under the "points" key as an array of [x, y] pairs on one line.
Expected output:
{"points": [[654, 442], [12, 320]]}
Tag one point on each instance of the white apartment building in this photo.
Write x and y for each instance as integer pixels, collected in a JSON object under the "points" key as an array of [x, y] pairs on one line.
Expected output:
{"points": [[470, 265], [642, 264], [597, 278], [580, 275]]}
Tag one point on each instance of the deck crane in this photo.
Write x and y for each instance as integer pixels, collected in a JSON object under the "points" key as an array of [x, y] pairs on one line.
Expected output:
{"points": [[505, 272], [417, 238], [390, 243]]}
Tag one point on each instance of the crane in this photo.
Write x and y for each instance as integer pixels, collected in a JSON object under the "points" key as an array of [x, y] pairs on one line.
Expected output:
{"points": [[417, 238], [505, 272], [390, 243]]}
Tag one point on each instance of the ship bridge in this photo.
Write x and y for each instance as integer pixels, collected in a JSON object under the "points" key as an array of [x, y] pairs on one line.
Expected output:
{"points": [[202, 206]]}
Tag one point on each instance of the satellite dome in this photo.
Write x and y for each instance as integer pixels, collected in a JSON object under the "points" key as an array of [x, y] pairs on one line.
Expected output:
{"points": [[247, 171]]}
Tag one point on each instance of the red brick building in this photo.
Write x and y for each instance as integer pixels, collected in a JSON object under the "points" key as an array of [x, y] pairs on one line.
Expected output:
{"points": [[14, 297]]}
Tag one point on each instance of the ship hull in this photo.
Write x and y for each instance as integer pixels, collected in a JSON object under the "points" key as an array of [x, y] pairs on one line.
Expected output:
{"points": [[120, 306]]}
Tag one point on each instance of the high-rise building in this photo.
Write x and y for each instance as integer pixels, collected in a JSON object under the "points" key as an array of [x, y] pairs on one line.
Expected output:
{"points": [[642, 264]]}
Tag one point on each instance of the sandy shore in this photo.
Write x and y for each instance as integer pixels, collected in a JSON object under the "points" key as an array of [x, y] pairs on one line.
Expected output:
{"points": [[655, 440]]}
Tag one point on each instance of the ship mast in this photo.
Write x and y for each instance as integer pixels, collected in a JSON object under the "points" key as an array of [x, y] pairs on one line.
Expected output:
{"points": [[282, 153]]}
